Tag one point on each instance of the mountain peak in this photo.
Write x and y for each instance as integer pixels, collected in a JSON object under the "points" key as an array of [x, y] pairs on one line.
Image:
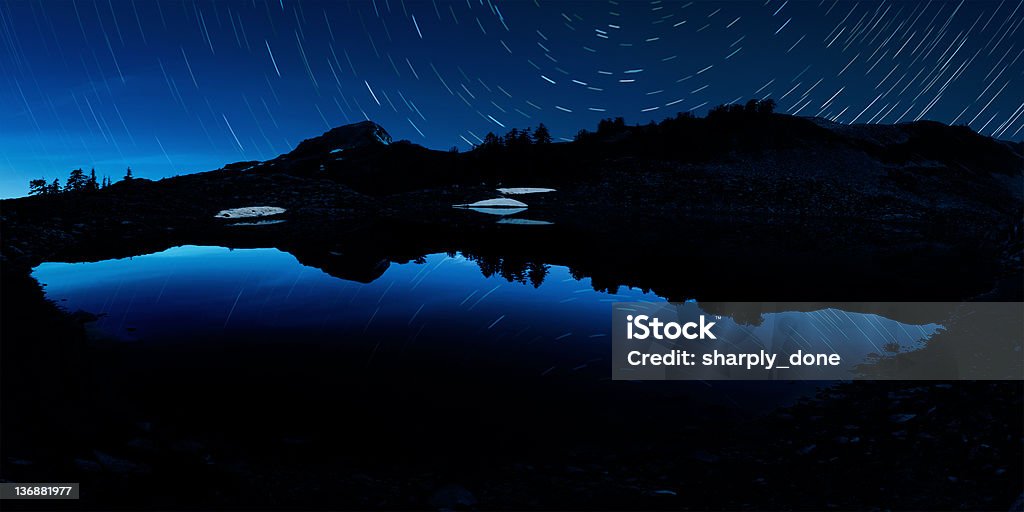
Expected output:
{"points": [[341, 138]]}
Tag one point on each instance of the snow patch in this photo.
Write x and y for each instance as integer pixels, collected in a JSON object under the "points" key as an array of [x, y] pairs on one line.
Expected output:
{"points": [[499, 211], [525, 222], [525, 190], [500, 202], [382, 135], [258, 223], [249, 211]]}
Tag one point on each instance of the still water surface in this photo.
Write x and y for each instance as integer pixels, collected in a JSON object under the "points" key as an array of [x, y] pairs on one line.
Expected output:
{"points": [[440, 309]]}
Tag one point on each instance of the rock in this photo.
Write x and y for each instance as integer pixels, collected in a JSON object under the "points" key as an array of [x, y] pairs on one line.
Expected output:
{"points": [[249, 211], [663, 492], [89, 466], [120, 466], [453, 497], [901, 418], [704, 456]]}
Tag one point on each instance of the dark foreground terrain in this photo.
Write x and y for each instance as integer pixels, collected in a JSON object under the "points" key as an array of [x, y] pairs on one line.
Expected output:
{"points": [[733, 207]]}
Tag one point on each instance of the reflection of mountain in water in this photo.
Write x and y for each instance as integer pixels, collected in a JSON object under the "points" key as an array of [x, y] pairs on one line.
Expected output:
{"points": [[518, 270], [723, 260], [895, 340]]}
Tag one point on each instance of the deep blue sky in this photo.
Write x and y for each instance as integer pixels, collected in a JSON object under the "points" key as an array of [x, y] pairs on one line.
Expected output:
{"points": [[174, 87]]}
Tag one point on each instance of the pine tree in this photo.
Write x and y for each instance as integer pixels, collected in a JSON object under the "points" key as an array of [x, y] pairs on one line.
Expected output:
{"points": [[38, 187], [541, 135], [512, 137], [525, 138], [91, 184], [537, 272], [766, 106], [76, 181], [491, 140], [128, 175], [54, 187]]}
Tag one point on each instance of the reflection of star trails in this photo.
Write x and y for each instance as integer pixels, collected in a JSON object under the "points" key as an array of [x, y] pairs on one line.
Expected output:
{"points": [[484, 296], [866, 337], [298, 275], [824, 337], [374, 315], [162, 287], [496, 322], [425, 272], [126, 310], [392, 283], [228, 319], [468, 297], [414, 315]]}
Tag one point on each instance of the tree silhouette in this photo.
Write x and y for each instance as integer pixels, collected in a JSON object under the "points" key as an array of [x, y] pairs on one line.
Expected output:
{"points": [[76, 181], [128, 175], [541, 135], [512, 137], [765, 106], [491, 140], [525, 138], [38, 187], [607, 126], [91, 183], [54, 187], [537, 272]]}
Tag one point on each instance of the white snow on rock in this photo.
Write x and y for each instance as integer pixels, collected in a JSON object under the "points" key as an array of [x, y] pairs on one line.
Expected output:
{"points": [[501, 202], [499, 211], [525, 190], [249, 211], [525, 222], [258, 223], [382, 135]]}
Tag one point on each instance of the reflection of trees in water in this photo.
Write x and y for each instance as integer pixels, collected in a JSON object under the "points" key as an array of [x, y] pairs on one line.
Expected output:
{"points": [[519, 269], [513, 269], [602, 283]]}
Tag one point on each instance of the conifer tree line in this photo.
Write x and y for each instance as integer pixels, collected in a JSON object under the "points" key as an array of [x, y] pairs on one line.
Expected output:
{"points": [[77, 181], [517, 137]]}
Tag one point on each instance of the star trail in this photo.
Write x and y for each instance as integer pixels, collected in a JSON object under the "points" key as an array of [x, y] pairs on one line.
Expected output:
{"points": [[172, 87]]}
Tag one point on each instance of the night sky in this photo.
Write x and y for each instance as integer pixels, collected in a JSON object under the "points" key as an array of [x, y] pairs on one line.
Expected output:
{"points": [[174, 87]]}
